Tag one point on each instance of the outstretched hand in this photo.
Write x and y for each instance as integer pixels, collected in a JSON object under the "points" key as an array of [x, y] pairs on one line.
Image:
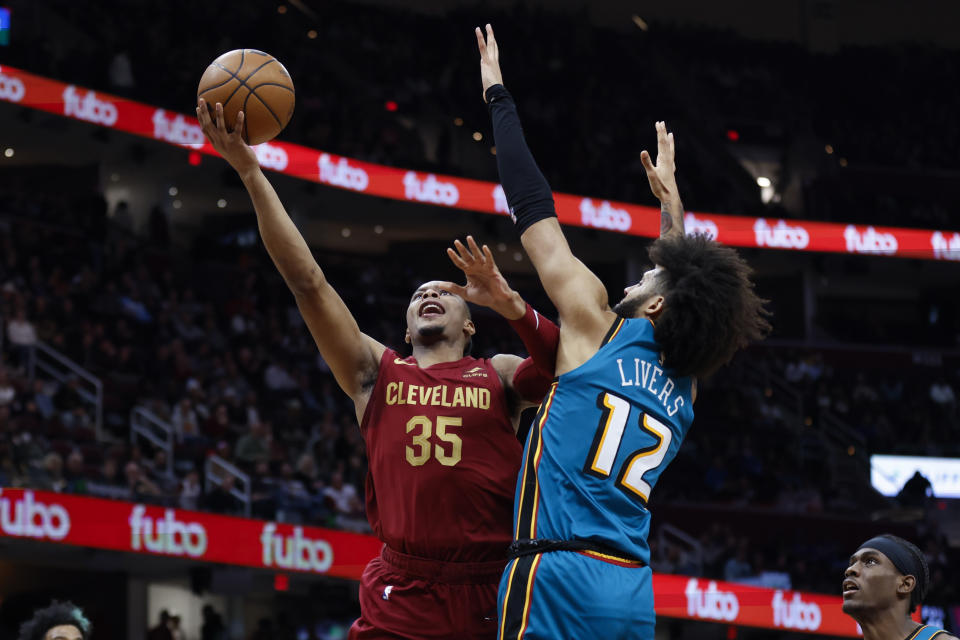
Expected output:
{"points": [[489, 60], [663, 183], [485, 284], [229, 144]]}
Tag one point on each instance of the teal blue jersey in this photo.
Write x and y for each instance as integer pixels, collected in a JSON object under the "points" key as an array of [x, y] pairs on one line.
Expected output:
{"points": [[602, 437]]}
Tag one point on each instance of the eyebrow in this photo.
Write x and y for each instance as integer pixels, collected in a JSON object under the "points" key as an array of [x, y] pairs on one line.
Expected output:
{"points": [[865, 554]]}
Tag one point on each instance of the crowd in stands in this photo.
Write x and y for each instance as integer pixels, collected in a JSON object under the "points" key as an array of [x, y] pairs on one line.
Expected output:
{"points": [[834, 122]]}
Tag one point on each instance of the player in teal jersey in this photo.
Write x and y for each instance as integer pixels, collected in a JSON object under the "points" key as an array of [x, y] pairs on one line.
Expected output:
{"points": [[886, 581], [622, 401]]}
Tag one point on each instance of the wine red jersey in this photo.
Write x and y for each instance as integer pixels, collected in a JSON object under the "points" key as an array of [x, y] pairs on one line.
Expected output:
{"points": [[443, 459]]}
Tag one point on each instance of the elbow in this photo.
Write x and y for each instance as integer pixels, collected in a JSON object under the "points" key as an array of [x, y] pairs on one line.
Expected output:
{"points": [[307, 284]]}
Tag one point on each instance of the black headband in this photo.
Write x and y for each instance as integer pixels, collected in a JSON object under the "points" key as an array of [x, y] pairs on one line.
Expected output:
{"points": [[901, 557]]}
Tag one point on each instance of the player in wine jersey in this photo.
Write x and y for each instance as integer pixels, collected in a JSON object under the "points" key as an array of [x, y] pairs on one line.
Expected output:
{"points": [[439, 425], [622, 401]]}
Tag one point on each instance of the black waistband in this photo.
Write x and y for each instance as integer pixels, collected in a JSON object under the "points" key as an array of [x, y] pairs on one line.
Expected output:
{"points": [[520, 548]]}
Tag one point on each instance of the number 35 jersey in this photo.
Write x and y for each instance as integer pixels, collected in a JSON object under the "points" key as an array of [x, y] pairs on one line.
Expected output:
{"points": [[602, 437], [443, 459]]}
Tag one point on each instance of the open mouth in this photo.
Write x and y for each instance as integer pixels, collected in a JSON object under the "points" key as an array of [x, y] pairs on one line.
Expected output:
{"points": [[430, 309], [850, 587]]}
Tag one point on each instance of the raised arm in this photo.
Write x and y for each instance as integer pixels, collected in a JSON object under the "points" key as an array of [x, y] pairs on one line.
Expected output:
{"points": [[663, 182], [527, 379], [354, 357], [580, 297]]}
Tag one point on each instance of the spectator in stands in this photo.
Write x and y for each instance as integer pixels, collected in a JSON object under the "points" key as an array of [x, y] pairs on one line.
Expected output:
{"points": [[220, 499], [49, 476], [22, 334], [139, 485], [109, 484], [190, 491], [218, 426], [253, 447], [185, 423], [263, 492], [75, 476], [43, 399], [71, 404], [294, 502], [346, 504], [737, 566]]}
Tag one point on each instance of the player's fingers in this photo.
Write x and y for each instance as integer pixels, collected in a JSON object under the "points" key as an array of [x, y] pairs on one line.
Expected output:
{"points": [[481, 44], [456, 260], [220, 125], [238, 127], [646, 160], [465, 255], [673, 145], [474, 249], [492, 41], [488, 254]]}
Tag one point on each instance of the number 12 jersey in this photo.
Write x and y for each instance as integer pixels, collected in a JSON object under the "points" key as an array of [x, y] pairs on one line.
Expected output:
{"points": [[602, 437]]}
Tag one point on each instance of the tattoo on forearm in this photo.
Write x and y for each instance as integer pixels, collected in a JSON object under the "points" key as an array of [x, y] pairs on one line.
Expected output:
{"points": [[666, 220]]}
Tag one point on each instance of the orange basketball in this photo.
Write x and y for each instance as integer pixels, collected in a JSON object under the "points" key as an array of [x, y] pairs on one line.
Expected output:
{"points": [[253, 82]]}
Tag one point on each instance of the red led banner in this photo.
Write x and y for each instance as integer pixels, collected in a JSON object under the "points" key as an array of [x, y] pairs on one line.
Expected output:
{"points": [[205, 537], [314, 165]]}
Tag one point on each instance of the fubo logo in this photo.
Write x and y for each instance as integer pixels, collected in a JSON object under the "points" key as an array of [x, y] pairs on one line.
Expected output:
{"points": [[869, 241], [704, 226], [795, 613], [11, 89], [167, 535], [945, 247], [271, 156], [176, 130], [781, 235], [294, 552], [604, 216], [710, 603], [88, 107], [29, 518], [429, 189], [341, 174]]}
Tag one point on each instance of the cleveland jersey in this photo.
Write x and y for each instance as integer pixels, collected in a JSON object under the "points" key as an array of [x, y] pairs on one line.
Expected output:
{"points": [[443, 459], [602, 437]]}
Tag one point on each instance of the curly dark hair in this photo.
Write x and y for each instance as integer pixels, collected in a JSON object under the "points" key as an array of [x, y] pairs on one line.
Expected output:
{"points": [[919, 593], [710, 308], [56, 615]]}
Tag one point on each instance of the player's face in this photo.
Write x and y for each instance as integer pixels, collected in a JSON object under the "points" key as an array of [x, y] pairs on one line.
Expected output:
{"points": [[636, 297], [434, 313], [870, 582], [63, 632]]}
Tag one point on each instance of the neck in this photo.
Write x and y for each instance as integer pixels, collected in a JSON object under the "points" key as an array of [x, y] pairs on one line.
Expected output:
{"points": [[887, 624], [437, 352]]}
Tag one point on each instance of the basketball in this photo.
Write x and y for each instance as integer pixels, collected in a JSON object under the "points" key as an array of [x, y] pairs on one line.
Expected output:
{"points": [[253, 82]]}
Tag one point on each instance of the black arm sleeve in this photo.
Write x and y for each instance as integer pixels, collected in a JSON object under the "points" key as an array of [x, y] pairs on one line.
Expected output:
{"points": [[527, 191]]}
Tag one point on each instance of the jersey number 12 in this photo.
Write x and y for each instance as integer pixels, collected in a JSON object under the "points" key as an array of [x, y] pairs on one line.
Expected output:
{"points": [[606, 444]]}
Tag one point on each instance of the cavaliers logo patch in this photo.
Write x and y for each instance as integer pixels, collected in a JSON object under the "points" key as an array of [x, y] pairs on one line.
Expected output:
{"points": [[476, 372]]}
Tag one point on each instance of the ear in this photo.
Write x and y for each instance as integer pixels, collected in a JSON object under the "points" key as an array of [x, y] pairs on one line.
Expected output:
{"points": [[406, 336], [653, 307], [469, 328], [907, 585]]}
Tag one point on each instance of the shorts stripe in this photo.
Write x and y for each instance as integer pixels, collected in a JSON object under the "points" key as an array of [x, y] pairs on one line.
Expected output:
{"points": [[529, 489], [516, 601]]}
